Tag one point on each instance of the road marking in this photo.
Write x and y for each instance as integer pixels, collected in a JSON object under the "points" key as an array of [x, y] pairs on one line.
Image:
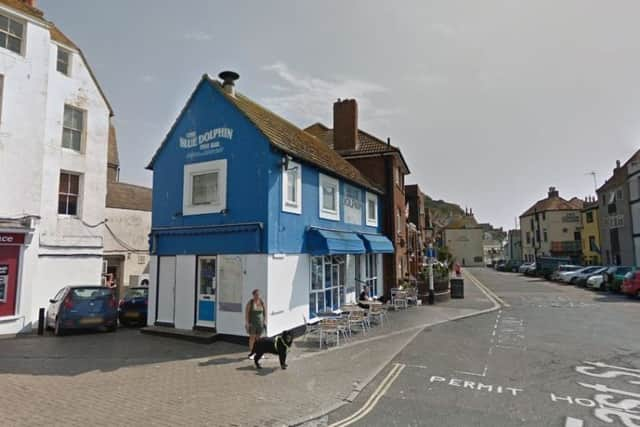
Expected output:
{"points": [[374, 398], [485, 289], [573, 422]]}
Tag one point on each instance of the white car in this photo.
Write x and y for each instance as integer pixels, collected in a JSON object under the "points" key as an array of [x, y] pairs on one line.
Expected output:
{"points": [[563, 268], [526, 266], [596, 282], [568, 275]]}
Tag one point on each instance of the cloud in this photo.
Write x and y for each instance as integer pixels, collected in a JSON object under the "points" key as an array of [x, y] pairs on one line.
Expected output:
{"points": [[198, 36], [307, 99]]}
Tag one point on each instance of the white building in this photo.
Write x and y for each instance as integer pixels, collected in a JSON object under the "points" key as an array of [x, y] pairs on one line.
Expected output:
{"points": [[54, 125]]}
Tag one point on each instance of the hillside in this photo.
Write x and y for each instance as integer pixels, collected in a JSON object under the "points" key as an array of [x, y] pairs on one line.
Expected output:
{"points": [[442, 210]]}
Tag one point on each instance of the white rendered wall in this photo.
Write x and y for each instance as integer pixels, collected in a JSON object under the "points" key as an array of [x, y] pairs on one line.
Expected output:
{"points": [[289, 282]]}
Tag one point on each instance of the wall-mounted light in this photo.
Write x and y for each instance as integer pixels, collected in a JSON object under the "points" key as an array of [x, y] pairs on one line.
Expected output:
{"points": [[285, 162]]}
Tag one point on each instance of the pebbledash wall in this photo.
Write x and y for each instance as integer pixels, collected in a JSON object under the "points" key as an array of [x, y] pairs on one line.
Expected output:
{"points": [[58, 250], [206, 258]]}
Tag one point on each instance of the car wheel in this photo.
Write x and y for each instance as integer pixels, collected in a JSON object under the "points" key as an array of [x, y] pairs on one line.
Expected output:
{"points": [[57, 330]]}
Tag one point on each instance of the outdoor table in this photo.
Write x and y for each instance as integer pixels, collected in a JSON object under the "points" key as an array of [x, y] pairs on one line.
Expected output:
{"points": [[370, 303], [327, 314], [351, 308]]}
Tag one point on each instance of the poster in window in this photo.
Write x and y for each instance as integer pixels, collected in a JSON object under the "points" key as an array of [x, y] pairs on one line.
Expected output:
{"points": [[352, 205], [230, 283], [4, 280]]}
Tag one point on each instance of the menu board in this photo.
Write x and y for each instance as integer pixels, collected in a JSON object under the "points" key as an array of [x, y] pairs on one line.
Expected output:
{"points": [[4, 282], [230, 283]]}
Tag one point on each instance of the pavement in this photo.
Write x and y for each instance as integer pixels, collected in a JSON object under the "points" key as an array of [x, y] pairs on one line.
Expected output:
{"points": [[126, 377], [552, 355]]}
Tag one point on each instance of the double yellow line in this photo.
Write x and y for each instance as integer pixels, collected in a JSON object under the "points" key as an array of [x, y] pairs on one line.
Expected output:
{"points": [[393, 374], [485, 289]]}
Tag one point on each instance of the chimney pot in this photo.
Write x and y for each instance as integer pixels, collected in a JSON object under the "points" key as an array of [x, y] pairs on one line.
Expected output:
{"points": [[617, 164], [345, 125], [553, 192], [228, 81]]}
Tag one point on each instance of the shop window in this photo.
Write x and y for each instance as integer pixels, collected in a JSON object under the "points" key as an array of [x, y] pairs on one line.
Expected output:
{"points": [[63, 62], [329, 198], [372, 210], [371, 273], [327, 291], [292, 188], [68, 194], [11, 34], [72, 128], [204, 188]]}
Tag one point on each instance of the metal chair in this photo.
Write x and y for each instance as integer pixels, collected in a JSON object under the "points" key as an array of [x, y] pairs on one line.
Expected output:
{"points": [[377, 312], [358, 318], [330, 327]]}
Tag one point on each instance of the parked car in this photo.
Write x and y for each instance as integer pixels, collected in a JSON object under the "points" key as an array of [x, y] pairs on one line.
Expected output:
{"points": [[132, 309], [526, 267], [596, 282], [615, 276], [82, 307], [500, 265], [583, 273], [581, 279], [546, 265], [531, 269], [512, 266], [567, 276], [631, 284], [562, 268]]}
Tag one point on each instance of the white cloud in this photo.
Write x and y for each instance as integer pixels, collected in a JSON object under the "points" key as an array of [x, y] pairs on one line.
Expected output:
{"points": [[307, 99], [198, 36]]}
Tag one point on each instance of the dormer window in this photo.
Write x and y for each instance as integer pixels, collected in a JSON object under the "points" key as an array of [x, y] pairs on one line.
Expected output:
{"points": [[11, 34], [63, 63]]}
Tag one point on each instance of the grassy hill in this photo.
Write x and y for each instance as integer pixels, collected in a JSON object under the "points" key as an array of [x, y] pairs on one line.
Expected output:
{"points": [[442, 210]]}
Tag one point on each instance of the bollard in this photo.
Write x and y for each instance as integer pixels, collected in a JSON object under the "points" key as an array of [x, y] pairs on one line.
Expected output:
{"points": [[432, 297], [41, 321]]}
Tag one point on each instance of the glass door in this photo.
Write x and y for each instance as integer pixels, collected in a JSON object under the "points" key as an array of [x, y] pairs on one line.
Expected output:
{"points": [[207, 287]]}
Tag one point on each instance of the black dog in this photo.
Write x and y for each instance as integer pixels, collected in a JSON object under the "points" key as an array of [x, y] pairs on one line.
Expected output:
{"points": [[278, 345]]}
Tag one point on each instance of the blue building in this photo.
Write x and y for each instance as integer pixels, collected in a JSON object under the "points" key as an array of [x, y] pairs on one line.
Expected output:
{"points": [[243, 200]]}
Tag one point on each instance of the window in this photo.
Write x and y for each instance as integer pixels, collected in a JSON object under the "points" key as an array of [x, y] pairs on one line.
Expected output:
{"points": [[589, 217], [205, 188], [72, 128], [68, 194], [396, 176], [532, 227], [11, 34], [544, 216], [327, 291], [371, 273], [63, 62], [372, 210], [528, 238], [619, 195], [292, 188], [329, 198], [399, 222], [592, 244], [546, 239]]}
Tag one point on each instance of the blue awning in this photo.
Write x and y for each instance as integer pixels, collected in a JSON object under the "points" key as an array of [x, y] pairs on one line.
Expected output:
{"points": [[377, 244], [329, 242]]}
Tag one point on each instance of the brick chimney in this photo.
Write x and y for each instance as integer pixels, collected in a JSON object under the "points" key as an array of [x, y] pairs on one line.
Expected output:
{"points": [[553, 192], [345, 125], [31, 3]]}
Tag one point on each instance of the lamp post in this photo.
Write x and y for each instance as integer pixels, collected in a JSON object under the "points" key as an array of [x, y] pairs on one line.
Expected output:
{"points": [[432, 296]]}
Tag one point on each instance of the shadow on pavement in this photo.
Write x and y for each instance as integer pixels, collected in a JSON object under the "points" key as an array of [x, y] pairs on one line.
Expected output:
{"points": [[259, 372], [84, 352], [222, 361]]}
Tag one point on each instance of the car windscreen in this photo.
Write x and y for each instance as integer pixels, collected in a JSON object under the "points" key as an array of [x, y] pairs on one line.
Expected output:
{"points": [[623, 270], [137, 293], [91, 293]]}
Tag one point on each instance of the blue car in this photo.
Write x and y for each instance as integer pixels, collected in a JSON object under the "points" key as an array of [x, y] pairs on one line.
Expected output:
{"points": [[132, 309], [82, 307]]}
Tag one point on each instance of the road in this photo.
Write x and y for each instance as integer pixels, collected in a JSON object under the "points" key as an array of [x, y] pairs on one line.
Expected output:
{"points": [[553, 355]]}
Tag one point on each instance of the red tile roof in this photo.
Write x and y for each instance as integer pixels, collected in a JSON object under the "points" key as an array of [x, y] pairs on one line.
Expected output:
{"points": [[368, 144], [128, 196], [554, 204]]}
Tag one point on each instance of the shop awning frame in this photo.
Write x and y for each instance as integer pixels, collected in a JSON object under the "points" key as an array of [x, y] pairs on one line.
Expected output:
{"points": [[377, 243], [321, 241]]}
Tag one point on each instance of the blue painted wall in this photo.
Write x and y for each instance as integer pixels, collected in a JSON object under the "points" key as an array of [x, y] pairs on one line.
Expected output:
{"points": [[254, 187]]}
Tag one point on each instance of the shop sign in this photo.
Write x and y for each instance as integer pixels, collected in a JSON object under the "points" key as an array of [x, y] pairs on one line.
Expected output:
{"points": [[571, 217], [352, 205], [11, 238], [4, 280], [206, 142]]}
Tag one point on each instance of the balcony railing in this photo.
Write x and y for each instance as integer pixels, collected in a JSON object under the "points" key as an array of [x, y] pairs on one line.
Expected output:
{"points": [[571, 246]]}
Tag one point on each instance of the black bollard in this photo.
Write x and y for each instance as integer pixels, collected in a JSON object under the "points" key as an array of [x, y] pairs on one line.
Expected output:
{"points": [[432, 297], [41, 321]]}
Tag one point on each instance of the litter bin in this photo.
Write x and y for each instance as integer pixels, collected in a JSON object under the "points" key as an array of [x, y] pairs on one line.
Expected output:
{"points": [[457, 287]]}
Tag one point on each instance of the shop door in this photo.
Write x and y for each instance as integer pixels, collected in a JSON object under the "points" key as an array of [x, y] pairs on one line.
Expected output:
{"points": [[166, 289], [8, 279], [207, 287]]}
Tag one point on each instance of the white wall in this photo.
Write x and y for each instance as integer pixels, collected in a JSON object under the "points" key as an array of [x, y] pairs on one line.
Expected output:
{"points": [[185, 291], [153, 283], [289, 279]]}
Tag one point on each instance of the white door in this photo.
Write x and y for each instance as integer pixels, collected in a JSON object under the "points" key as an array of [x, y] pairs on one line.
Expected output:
{"points": [[207, 289], [166, 289]]}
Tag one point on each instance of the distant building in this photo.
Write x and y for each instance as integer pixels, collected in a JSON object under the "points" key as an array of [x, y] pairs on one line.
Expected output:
{"points": [[590, 232], [384, 165], [633, 180], [615, 219], [513, 249], [126, 235], [551, 227], [464, 238], [54, 127]]}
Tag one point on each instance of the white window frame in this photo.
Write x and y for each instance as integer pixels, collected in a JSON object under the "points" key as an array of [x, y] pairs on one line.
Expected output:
{"points": [[325, 180], [69, 60], [372, 222], [8, 34], [193, 169], [82, 130], [67, 194], [289, 205]]}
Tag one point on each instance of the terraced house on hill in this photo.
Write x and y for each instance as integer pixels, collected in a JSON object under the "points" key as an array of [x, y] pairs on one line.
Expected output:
{"points": [[551, 227], [54, 128], [243, 200], [384, 165]]}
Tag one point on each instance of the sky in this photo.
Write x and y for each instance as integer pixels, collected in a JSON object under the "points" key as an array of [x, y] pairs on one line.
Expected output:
{"points": [[491, 102]]}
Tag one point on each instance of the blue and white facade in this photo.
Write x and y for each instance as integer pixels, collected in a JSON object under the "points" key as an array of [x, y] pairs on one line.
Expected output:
{"points": [[232, 212]]}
